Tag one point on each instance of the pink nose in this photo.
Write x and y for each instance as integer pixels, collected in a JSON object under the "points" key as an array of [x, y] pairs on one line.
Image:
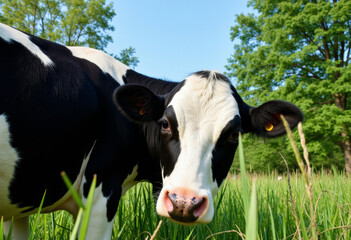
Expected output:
{"points": [[185, 208]]}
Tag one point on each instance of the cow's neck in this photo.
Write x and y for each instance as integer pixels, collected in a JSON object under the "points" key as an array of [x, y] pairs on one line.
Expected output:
{"points": [[149, 168]]}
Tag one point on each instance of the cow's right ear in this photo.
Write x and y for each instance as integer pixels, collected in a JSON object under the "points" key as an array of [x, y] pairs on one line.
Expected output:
{"points": [[266, 120], [139, 103]]}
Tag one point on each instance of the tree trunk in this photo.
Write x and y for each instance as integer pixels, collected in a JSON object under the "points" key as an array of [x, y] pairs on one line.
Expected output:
{"points": [[345, 143], [346, 149]]}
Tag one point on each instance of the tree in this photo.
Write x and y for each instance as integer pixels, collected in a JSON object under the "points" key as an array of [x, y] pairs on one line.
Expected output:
{"points": [[69, 22], [126, 56], [299, 50]]}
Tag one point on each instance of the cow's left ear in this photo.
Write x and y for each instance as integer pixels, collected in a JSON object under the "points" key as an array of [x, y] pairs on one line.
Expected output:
{"points": [[266, 120], [139, 103]]}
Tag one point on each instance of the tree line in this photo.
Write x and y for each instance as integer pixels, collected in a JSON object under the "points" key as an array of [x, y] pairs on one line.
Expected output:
{"points": [[299, 51], [69, 22]]}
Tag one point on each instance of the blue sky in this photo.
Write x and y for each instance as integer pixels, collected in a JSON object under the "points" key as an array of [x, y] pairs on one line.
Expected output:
{"points": [[175, 38]]}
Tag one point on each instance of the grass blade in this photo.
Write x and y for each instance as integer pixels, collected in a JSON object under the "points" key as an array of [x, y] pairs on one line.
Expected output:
{"points": [[243, 177], [85, 221], [2, 228], [32, 232], [76, 225], [70, 187], [220, 195], [190, 234], [9, 235], [272, 222], [121, 231], [251, 224], [302, 224]]}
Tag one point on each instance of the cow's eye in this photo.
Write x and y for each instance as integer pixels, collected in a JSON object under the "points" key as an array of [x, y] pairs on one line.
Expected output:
{"points": [[234, 136], [165, 126]]}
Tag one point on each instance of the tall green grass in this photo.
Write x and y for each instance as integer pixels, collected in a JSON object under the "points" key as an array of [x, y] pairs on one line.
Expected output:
{"points": [[137, 219], [286, 209]]}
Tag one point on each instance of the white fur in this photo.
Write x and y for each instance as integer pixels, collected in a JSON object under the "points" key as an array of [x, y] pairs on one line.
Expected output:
{"points": [[20, 228], [10, 34], [99, 227], [129, 181], [104, 61], [8, 159], [203, 108]]}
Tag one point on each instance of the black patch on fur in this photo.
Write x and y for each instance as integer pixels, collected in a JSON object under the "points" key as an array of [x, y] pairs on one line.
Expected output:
{"points": [[139, 103], [157, 86], [223, 153], [170, 144], [216, 75]]}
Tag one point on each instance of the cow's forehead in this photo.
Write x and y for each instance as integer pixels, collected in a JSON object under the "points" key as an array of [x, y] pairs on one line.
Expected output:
{"points": [[204, 105]]}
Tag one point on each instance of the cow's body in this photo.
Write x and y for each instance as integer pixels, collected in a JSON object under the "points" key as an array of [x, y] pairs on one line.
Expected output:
{"points": [[57, 114]]}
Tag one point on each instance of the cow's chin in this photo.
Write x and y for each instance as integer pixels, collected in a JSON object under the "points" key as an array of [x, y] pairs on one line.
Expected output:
{"points": [[202, 220], [189, 224]]}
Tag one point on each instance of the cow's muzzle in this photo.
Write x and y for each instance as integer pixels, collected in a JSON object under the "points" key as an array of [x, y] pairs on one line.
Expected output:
{"points": [[185, 208]]}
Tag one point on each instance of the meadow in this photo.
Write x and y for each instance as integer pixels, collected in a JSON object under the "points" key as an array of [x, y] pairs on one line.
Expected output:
{"points": [[297, 205], [137, 219]]}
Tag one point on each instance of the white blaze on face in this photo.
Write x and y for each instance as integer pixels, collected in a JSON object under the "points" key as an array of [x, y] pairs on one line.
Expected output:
{"points": [[203, 107]]}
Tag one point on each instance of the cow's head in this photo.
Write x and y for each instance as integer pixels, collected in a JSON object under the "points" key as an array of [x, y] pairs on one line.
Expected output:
{"points": [[197, 133]]}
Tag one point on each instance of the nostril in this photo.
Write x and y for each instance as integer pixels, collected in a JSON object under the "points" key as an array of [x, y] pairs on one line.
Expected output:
{"points": [[168, 202], [199, 207]]}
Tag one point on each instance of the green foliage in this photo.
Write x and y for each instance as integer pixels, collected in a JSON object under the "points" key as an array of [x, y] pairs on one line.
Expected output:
{"points": [[69, 22], [298, 51], [127, 57]]}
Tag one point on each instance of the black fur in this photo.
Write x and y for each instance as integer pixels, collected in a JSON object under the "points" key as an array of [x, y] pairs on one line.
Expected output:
{"points": [[139, 103], [223, 153], [269, 113]]}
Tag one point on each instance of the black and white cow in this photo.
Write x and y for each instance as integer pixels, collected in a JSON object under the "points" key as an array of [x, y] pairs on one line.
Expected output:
{"points": [[78, 110]]}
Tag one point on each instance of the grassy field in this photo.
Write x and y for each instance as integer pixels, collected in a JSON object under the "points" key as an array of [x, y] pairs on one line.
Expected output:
{"points": [[137, 218], [298, 206]]}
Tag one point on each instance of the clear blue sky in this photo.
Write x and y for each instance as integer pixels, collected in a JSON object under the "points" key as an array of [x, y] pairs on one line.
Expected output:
{"points": [[175, 38]]}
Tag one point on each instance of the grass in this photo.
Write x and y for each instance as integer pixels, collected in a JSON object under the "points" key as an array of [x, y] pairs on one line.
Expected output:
{"points": [[137, 219], [286, 209]]}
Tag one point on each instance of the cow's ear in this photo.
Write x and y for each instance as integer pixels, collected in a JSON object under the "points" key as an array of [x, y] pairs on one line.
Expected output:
{"points": [[139, 103], [266, 120]]}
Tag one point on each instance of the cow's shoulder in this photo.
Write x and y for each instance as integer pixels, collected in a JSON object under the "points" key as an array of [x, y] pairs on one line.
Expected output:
{"points": [[105, 62]]}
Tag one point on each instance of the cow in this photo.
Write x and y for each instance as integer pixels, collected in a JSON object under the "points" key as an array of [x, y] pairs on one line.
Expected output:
{"points": [[78, 110]]}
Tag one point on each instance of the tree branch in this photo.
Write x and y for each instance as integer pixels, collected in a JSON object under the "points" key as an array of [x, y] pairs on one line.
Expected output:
{"points": [[306, 70], [325, 43], [342, 52], [310, 40]]}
